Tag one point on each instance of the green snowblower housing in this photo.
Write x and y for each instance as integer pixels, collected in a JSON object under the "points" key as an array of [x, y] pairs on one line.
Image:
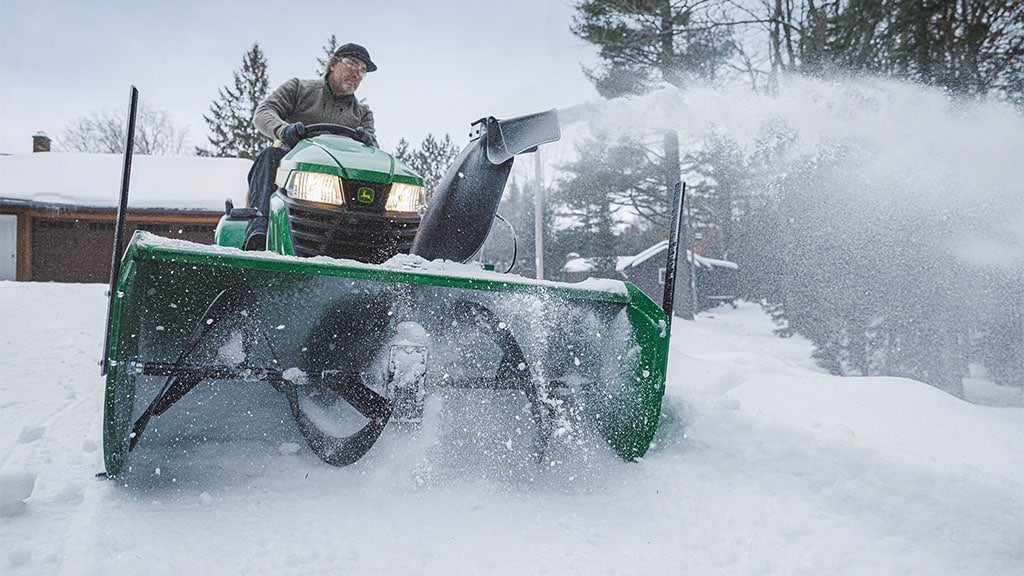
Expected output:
{"points": [[337, 197], [364, 305]]}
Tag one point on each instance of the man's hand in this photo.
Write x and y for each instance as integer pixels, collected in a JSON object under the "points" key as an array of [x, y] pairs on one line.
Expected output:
{"points": [[293, 133], [364, 136]]}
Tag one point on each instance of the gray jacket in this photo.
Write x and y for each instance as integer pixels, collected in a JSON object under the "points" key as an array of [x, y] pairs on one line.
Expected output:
{"points": [[310, 102]]}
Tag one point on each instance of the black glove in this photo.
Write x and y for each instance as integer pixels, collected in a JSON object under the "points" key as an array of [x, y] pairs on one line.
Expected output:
{"points": [[364, 136], [293, 133]]}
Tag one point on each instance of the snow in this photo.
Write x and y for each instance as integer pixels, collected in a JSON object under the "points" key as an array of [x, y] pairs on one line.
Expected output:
{"points": [[577, 264], [763, 464], [402, 262], [94, 180], [657, 249], [15, 487]]}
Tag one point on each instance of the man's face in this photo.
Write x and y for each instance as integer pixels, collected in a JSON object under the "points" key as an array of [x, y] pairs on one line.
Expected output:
{"points": [[345, 75]]}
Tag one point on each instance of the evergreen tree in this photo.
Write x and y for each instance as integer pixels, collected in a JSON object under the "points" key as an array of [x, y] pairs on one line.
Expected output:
{"points": [[968, 47], [322, 63], [600, 197], [431, 160], [643, 42], [872, 289], [232, 133], [513, 234], [877, 295], [647, 42]]}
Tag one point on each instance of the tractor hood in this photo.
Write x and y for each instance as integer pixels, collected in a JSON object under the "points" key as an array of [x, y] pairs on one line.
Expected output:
{"points": [[348, 159]]}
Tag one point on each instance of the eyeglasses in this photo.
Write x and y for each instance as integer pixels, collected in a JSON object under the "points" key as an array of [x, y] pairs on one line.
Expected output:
{"points": [[354, 66]]}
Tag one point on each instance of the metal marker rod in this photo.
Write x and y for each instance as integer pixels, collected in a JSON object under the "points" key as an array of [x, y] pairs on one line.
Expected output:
{"points": [[121, 225], [668, 299]]}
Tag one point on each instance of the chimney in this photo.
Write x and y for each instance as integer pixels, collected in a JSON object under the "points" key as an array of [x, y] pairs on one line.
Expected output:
{"points": [[40, 142]]}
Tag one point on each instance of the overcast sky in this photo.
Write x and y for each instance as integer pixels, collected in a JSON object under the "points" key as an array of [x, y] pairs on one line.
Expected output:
{"points": [[442, 63]]}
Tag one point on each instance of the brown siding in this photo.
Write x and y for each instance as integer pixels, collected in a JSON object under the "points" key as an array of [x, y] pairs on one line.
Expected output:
{"points": [[75, 245]]}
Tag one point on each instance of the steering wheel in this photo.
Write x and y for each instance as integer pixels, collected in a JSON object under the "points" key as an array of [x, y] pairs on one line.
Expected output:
{"points": [[359, 135]]}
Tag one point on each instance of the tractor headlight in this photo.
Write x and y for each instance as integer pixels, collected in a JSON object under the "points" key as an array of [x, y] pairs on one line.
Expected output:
{"points": [[315, 187], [405, 198]]}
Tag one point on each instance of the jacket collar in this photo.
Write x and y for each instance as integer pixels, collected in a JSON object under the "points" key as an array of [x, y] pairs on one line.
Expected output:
{"points": [[348, 98]]}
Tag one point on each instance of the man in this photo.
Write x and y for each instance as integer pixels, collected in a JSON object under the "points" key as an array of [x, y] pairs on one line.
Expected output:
{"points": [[284, 114]]}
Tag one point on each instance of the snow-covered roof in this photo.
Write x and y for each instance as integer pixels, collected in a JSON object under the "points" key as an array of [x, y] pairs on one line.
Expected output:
{"points": [[716, 262], [622, 261], [647, 254], [663, 245], [579, 264], [94, 180]]}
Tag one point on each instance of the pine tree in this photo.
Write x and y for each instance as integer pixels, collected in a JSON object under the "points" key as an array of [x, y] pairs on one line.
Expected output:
{"points": [[232, 132], [431, 160], [649, 41], [969, 47], [329, 48], [607, 182]]}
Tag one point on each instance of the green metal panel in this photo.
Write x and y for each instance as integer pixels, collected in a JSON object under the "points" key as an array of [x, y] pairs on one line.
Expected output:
{"points": [[146, 246], [348, 159], [612, 336], [230, 232], [279, 236]]}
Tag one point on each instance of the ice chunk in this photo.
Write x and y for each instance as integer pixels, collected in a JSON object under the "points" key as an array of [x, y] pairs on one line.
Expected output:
{"points": [[295, 375]]}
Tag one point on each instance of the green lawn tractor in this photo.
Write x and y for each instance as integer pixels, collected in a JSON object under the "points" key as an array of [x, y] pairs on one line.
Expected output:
{"points": [[337, 197], [363, 307]]}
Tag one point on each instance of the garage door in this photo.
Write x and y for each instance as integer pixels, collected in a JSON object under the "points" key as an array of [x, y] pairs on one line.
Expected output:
{"points": [[8, 247]]}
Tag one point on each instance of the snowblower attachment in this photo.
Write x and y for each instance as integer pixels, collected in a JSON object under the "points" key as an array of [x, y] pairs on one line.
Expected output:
{"points": [[461, 214], [200, 330]]}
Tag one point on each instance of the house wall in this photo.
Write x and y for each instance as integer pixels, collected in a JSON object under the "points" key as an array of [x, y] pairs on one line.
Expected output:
{"points": [[59, 244], [649, 277], [714, 284]]}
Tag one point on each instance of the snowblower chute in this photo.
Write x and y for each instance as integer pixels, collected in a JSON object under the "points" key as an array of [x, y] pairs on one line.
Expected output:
{"points": [[379, 338]]}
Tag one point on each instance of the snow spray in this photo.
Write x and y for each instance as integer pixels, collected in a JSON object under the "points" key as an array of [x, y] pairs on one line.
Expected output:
{"points": [[886, 217], [922, 151]]}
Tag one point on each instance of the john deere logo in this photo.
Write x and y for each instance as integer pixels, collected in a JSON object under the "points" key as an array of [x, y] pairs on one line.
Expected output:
{"points": [[365, 195]]}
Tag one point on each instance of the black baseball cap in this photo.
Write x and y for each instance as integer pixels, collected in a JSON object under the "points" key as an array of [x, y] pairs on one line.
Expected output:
{"points": [[356, 51]]}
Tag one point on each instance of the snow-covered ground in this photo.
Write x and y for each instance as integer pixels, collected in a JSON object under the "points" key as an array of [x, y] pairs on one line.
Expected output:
{"points": [[763, 464]]}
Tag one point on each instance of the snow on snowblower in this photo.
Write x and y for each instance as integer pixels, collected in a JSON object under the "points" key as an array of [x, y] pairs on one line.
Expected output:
{"points": [[360, 309]]}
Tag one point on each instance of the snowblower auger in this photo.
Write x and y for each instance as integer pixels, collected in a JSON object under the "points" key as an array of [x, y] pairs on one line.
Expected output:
{"points": [[184, 319], [235, 300], [355, 345]]}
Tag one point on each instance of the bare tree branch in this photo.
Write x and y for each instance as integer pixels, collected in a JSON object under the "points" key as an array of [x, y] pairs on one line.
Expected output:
{"points": [[105, 131]]}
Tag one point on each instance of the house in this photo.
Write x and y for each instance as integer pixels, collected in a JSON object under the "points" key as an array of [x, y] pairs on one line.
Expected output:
{"points": [[715, 280], [578, 269], [58, 210]]}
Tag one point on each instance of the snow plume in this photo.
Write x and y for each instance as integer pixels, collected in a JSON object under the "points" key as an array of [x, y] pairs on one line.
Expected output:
{"points": [[911, 145], [882, 218]]}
